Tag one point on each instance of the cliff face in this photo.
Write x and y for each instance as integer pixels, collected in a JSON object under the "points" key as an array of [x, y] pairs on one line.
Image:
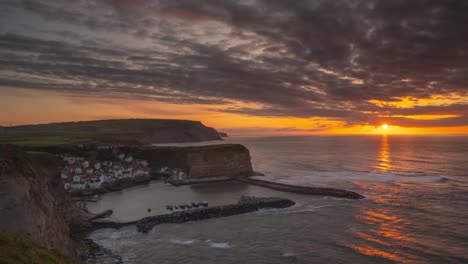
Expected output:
{"points": [[198, 162], [33, 204], [143, 131], [225, 160]]}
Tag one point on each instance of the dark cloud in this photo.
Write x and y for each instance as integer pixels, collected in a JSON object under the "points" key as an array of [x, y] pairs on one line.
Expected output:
{"points": [[293, 58]]}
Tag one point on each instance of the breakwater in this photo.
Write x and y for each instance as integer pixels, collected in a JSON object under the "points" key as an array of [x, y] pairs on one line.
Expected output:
{"points": [[303, 189], [244, 205], [179, 182]]}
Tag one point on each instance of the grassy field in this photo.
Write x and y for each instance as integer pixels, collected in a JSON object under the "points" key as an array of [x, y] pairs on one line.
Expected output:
{"points": [[47, 161], [14, 249], [122, 131], [36, 141]]}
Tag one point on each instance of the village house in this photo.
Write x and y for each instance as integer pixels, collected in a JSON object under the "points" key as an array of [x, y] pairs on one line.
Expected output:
{"points": [[78, 170], [67, 183], [80, 174]]}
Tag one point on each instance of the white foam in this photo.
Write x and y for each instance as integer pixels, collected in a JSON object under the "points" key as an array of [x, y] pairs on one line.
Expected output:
{"points": [[115, 235], [329, 178], [217, 244], [182, 242]]}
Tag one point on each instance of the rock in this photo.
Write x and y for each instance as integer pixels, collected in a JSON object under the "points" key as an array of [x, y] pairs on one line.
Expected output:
{"points": [[266, 202], [244, 205], [90, 252], [223, 134], [103, 214], [228, 160]]}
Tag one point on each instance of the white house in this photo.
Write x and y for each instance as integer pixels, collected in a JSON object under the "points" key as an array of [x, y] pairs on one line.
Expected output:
{"points": [[67, 183], [69, 159], [97, 166], [79, 185], [95, 184], [164, 170], [106, 178], [118, 172], [86, 164]]}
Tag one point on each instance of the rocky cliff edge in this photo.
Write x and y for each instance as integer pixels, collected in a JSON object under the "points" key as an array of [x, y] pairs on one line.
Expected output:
{"points": [[33, 203]]}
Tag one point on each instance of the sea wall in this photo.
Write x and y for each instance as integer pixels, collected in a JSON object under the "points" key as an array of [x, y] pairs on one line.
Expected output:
{"points": [[245, 205], [304, 189], [33, 203], [231, 160]]}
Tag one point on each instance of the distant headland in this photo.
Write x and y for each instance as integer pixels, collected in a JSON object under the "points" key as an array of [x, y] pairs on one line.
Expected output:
{"points": [[125, 131]]}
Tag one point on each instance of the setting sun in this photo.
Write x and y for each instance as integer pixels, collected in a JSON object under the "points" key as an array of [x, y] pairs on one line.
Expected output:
{"points": [[384, 126]]}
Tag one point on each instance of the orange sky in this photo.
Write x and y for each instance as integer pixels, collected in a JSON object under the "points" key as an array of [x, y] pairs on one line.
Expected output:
{"points": [[22, 106], [243, 67]]}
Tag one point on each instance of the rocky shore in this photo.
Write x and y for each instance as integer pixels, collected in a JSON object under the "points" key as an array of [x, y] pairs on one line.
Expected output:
{"points": [[90, 252], [244, 205]]}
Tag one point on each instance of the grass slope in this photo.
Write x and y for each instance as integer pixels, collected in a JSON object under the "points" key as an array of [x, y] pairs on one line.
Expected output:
{"points": [[36, 141], [14, 249]]}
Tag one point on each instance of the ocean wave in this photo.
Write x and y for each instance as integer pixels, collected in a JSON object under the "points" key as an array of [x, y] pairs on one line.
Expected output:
{"points": [[218, 244], [326, 178], [182, 242]]}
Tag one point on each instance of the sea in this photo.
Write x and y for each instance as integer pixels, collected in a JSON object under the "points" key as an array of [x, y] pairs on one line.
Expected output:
{"points": [[415, 210]]}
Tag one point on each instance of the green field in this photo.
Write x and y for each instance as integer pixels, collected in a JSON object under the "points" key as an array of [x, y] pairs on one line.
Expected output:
{"points": [[37, 141], [14, 249]]}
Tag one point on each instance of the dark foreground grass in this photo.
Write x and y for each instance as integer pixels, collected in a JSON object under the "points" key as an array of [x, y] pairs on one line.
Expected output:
{"points": [[14, 249]]}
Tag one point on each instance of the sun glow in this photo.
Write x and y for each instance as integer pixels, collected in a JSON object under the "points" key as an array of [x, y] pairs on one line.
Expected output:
{"points": [[384, 126]]}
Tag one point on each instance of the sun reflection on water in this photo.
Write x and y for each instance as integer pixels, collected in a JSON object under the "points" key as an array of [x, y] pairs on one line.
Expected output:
{"points": [[386, 234], [384, 159]]}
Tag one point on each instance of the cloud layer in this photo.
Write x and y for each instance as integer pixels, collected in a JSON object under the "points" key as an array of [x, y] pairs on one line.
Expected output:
{"points": [[332, 59]]}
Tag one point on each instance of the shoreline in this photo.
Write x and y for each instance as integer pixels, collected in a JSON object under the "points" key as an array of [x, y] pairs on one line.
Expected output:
{"points": [[245, 204], [103, 222]]}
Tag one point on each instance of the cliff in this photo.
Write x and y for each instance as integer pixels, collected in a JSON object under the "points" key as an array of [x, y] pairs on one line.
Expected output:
{"points": [[142, 131], [231, 160], [33, 203]]}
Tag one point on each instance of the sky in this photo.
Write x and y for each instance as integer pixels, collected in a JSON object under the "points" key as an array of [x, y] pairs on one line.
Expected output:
{"points": [[247, 67]]}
